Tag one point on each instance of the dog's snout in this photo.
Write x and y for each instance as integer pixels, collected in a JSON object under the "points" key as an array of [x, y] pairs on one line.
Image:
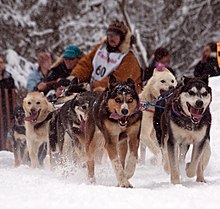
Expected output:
{"points": [[171, 87], [33, 110], [199, 103], [124, 111]]}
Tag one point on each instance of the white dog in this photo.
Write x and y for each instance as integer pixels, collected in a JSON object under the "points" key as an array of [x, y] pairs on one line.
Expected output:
{"points": [[37, 110], [160, 82]]}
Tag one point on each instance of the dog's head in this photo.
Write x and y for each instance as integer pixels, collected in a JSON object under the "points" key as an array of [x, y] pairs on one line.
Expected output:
{"points": [[195, 97], [159, 83], [19, 115], [81, 106], [36, 107], [122, 99]]}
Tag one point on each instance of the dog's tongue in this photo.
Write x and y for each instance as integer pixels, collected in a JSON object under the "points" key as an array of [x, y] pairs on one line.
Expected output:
{"points": [[31, 118], [115, 116], [196, 113]]}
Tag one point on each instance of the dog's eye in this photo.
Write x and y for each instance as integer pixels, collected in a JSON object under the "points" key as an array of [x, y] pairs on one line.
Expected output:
{"points": [[84, 107], [172, 81], [162, 81], [192, 93], [205, 94], [130, 100], [117, 100], [38, 103], [29, 103]]}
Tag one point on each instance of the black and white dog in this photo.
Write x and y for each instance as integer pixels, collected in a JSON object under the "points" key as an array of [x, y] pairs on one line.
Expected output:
{"points": [[186, 121], [19, 138]]}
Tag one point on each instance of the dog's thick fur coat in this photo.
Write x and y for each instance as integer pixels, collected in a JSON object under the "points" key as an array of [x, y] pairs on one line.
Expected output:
{"points": [[186, 121], [115, 115]]}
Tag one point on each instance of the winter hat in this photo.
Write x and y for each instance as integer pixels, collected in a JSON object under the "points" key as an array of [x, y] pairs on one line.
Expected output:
{"points": [[160, 53], [71, 52], [117, 27]]}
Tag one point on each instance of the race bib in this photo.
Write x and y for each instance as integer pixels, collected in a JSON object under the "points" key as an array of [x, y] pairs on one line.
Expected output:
{"points": [[104, 63]]}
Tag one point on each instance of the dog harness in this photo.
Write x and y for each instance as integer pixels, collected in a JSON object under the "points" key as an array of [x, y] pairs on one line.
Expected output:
{"points": [[146, 105]]}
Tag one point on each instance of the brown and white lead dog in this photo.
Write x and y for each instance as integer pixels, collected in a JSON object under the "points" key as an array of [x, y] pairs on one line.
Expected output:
{"points": [[115, 115], [37, 115], [160, 82]]}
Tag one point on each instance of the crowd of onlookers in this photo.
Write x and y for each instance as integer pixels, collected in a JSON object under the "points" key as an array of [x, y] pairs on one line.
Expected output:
{"points": [[114, 56]]}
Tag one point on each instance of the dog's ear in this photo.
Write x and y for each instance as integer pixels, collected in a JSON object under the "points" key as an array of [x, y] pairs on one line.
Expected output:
{"points": [[205, 79], [112, 81], [75, 80], [131, 83], [185, 79]]}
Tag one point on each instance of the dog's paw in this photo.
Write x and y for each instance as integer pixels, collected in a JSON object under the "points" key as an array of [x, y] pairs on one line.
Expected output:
{"points": [[125, 184], [166, 167], [190, 171], [175, 181], [200, 179], [92, 180]]}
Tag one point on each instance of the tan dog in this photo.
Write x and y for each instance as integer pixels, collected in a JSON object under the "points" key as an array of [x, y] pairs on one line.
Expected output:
{"points": [[160, 82], [37, 110]]}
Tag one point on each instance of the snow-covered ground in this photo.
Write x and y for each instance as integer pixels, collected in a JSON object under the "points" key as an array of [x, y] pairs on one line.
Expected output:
{"points": [[23, 187]]}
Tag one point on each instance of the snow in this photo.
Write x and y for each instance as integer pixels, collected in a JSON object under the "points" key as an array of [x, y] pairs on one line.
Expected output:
{"points": [[19, 67], [23, 187]]}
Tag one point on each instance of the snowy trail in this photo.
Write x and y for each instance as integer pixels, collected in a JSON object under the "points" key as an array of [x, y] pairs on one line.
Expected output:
{"points": [[22, 187]]}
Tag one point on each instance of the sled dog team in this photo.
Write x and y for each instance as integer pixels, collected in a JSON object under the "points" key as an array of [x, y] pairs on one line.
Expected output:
{"points": [[166, 118]]}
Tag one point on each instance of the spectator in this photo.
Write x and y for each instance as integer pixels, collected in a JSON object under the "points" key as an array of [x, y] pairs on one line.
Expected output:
{"points": [[7, 102], [161, 59], [63, 66], [208, 65], [112, 56], [37, 77]]}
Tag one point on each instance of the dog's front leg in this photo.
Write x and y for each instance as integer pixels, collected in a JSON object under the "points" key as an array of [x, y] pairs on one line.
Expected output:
{"points": [[132, 159], [197, 153], [123, 147], [111, 148], [33, 152], [148, 139], [172, 149], [25, 155], [90, 150], [17, 152], [203, 162]]}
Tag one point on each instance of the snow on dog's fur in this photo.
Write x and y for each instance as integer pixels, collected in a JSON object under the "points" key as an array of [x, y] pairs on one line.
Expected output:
{"points": [[37, 114], [160, 82]]}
